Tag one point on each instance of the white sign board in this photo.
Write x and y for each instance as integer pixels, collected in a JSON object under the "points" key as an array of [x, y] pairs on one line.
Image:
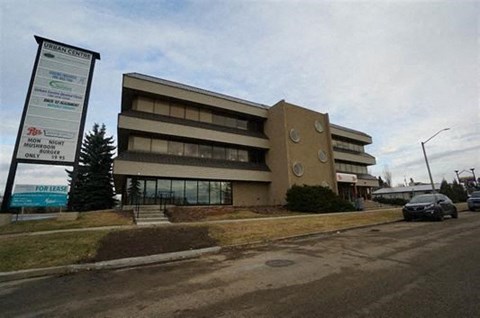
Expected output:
{"points": [[346, 177], [54, 109]]}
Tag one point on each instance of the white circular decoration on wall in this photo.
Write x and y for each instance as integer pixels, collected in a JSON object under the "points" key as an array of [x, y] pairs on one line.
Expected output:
{"points": [[294, 135], [318, 126], [297, 169], [322, 156]]}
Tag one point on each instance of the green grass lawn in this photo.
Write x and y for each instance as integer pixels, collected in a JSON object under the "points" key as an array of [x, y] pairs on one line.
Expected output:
{"points": [[85, 219], [39, 251]]}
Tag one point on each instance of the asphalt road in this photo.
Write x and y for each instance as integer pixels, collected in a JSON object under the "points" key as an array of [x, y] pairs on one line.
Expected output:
{"points": [[416, 269]]}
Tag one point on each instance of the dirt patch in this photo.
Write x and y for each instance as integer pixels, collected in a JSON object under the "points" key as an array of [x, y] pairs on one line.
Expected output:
{"points": [[150, 241]]}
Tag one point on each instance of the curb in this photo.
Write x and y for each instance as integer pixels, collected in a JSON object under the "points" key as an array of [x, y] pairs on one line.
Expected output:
{"points": [[113, 264]]}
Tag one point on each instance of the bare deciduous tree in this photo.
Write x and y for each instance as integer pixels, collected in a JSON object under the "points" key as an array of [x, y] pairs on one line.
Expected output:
{"points": [[387, 176]]}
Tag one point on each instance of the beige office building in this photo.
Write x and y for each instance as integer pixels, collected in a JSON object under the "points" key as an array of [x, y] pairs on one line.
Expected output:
{"points": [[206, 148]]}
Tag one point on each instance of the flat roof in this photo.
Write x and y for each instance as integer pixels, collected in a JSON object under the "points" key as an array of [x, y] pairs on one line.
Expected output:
{"points": [[194, 89], [349, 130], [420, 187]]}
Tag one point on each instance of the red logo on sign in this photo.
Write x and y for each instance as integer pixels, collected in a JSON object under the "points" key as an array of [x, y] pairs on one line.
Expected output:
{"points": [[32, 131]]}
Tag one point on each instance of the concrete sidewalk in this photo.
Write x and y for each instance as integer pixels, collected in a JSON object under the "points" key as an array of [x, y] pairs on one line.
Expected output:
{"points": [[113, 264]]}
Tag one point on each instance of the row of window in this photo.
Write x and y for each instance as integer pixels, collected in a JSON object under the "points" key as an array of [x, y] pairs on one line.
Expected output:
{"points": [[178, 110], [190, 149], [178, 192], [346, 167], [347, 146]]}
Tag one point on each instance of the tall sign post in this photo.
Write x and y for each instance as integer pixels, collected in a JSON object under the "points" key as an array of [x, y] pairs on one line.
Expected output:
{"points": [[53, 118]]}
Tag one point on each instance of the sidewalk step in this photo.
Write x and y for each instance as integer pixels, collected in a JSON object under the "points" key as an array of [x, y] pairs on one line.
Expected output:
{"points": [[152, 222]]}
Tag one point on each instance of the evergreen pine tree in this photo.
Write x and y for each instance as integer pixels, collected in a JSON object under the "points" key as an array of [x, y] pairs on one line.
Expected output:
{"points": [[446, 189], [93, 189], [458, 192]]}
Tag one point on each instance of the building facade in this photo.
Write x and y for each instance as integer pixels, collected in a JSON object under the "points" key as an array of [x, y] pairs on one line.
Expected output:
{"points": [[204, 148], [352, 162]]}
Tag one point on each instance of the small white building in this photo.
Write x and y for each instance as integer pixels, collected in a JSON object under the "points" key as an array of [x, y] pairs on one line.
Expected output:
{"points": [[405, 193]]}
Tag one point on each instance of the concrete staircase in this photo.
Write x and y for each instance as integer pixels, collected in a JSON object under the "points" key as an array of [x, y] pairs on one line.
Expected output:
{"points": [[150, 215]]}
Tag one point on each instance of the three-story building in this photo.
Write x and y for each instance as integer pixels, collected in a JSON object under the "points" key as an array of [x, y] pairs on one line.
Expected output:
{"points": [[206, 148]]}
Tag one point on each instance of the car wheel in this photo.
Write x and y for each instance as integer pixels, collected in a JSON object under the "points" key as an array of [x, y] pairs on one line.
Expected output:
{"points": [[455, 214], [439, 216]]}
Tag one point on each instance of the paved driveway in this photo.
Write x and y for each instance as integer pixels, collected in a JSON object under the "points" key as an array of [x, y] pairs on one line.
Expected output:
{"points": [[416, 269]]}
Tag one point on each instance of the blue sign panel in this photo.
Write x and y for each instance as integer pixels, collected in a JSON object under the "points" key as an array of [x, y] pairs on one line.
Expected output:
{"points": [[39, 196], [38, 199]]}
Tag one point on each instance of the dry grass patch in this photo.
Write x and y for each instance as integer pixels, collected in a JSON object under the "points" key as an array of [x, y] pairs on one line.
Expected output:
{"points": [[265, 230], [246, 214], [85, 219], [47, 250]]}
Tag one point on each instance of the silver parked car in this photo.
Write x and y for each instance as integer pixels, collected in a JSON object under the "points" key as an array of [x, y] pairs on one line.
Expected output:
{"points": [[434, 206], [474, 201]]}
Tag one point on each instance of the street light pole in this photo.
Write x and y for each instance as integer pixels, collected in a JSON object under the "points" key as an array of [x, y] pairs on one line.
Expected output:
{"points": [[428, 167], [458, 177], [426, 159]]}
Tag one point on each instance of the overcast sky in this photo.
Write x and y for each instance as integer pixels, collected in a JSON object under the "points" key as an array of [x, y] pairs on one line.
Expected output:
{"points": [[397, 70]]}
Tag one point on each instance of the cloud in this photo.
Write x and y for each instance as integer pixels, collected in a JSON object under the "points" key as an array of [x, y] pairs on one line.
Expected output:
{"points": [[398, 70]]}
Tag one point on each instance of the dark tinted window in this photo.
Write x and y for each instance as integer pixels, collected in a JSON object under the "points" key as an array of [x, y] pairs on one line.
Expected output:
{"points": [[427, 198]]}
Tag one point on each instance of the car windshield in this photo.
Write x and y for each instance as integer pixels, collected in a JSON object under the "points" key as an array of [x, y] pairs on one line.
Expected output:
{"points": [[476, 194], [423, 199]]}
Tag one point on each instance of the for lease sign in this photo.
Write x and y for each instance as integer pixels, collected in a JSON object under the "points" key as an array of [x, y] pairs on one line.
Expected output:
{"points": [[35, 195], [55, 105]]}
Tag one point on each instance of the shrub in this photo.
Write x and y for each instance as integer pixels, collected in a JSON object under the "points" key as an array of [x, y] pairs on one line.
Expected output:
{"points": [[316, 199], [392, 201]]}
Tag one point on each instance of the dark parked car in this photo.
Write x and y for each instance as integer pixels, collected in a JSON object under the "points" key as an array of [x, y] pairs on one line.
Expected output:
{"points": [[474, 201], [434, 206]]}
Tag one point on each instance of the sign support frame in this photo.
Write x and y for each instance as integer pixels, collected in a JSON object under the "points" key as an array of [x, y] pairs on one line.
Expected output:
{"points": [[15, 161]]}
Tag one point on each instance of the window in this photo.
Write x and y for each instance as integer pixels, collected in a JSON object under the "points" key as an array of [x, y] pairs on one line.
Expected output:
{"points": [[192, 113], [218, 153], [205, 116], [215, 192], [141, 144], [159, 146], [162, 107], [230, 122], [177, 110], [203, 192], [191, 150], [232, 154], [150, 191], [175, 148], [191, 192], [294, 135], [205, 151], [182, 192], [134, 191], [243, 155], [218, 119], [178, 189], [164, 188], [226, 197], [298, 169], [242, 124]]}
